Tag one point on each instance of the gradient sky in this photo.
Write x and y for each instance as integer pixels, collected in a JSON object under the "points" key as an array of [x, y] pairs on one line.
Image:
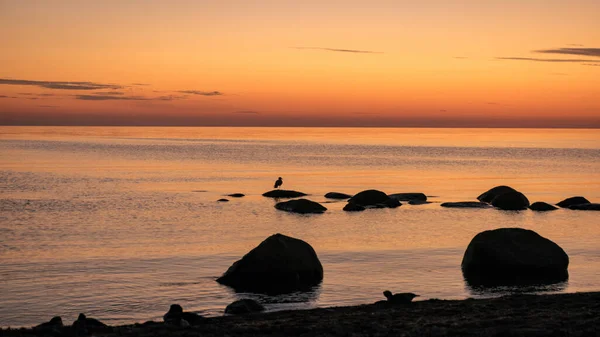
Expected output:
{"points": [[505, 63]]}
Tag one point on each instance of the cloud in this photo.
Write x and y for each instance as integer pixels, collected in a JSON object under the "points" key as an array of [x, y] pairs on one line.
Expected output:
{"points": [[594, 52], [355, 51], [589, 64], [575, 45], [109, 93], [140, 84], [545, 60], [61, 85], [4, 96], [110, 98], [249, 112], [460, 57], [33, 94], [201, 93]]}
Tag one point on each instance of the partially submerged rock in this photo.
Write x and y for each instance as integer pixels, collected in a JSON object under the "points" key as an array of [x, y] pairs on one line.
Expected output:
{"points": [[350, 207], [223, 200], [492, 193], [337, 195], [374, 199], [236, 195], [466, 204], [586, 207], [573, 201], [541, 206], [418, 202], [283, 194], [408, 196], [279, 264], [509, 256], [302, 206], [244, 306], [511, 201]]}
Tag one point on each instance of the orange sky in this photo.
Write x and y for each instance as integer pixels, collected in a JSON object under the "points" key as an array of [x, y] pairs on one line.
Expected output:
{"points": [[300, 63]]}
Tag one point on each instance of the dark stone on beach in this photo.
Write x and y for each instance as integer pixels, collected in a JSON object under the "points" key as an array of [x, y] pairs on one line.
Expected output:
{"points": [[85, 326], [236, 195], [573, 201], [176, 315], [491, 194], [511, 201], [408, 196], [350, 207], [244, 306], [541, 206], [279, 264], [375, 199], [466, 204], [337, 195], [513, 256], [586, 207], [223, 200], [283, 194], [302, 206], [54, 323]]}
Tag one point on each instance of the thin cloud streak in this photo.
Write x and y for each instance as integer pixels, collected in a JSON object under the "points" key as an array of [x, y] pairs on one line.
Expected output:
{"points": [[110, 98], [201, 93], [248, 112], [594, 52], [545, 60], [355, 51], [61, 85]]}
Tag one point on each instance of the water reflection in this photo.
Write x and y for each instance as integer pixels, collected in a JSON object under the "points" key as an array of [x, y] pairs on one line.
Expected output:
{"points": [[501, 290], [295, 300]]}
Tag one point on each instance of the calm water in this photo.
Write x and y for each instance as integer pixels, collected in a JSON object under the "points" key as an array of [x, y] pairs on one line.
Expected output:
{"points": [[121, 222]]}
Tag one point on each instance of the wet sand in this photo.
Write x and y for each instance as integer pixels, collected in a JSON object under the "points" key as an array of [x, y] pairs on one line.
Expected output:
{"points": [[575, 314]]}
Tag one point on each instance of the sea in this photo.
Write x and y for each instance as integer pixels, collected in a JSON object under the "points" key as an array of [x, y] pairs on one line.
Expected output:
{"points": [[121, 222]]}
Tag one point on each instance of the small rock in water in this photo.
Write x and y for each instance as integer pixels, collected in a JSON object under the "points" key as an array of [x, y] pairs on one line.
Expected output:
{"points": [[223, 200], [302, 206], [236, 195], [573, 201], [283, 194], [337, 195], [511, 201], [541, 206], [418, 202], [408, 196], [466, 204], [586, 207], [492, 193]]}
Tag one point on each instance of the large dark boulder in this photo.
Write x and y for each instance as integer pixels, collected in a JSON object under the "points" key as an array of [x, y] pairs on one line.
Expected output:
{"points": [[510, 256], [408, 196], [466, 204], [244, 306], [350, 207], [373, 199], [541, 206], [586, 207], [573, 201], [511, 201], [302, 206], [337, 195], [279, 264], [283, 194], [491, 194]]}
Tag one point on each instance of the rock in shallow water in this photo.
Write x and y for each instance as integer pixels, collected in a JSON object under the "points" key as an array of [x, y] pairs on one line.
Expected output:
{"points": [[408, 196], [492, 193], [541, 206], [337, 195], [279, 264], [511, 201], [236, 195], [509, 256], [573, 201], [466, 204], [586, 207], [302, 206], [283, 194], [373, 198], [350, 207]]}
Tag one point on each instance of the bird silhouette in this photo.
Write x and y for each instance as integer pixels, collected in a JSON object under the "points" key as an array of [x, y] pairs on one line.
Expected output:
{"points": [[400, 298], [278, 183]]}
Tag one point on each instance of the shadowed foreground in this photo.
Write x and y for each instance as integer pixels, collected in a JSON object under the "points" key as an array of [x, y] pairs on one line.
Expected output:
{"points": [[522, 315]]}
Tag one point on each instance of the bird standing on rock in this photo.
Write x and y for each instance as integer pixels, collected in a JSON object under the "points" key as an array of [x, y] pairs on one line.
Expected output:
{"points": [[278, 183], [400, 298]]}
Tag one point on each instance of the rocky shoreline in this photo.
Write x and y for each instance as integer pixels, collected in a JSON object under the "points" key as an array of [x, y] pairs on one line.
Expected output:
{"points": [[576, 314]]}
